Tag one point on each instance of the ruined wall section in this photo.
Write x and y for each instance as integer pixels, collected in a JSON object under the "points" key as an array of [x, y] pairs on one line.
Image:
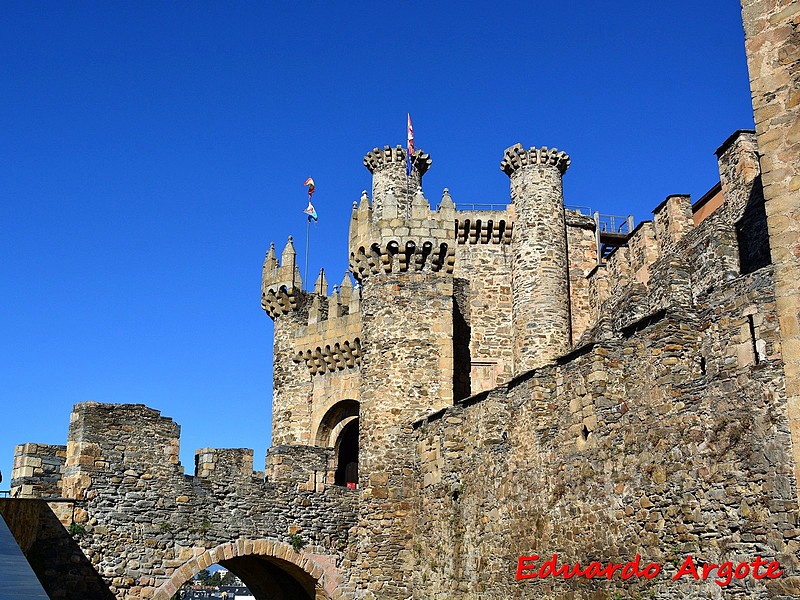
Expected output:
{"points": [[37, 470], [143, 519], [670, 261], [667, 440]]}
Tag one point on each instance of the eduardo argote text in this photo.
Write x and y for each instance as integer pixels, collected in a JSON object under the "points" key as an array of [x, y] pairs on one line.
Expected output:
{"points": [[530, 567]]}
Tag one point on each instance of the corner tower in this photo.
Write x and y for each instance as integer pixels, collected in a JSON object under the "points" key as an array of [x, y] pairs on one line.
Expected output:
{"points": [[539, 271], [285, 302]]}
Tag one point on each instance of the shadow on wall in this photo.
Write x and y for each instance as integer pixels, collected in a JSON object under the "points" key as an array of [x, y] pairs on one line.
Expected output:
{"points": [[55, 557], [271, 578], [751, 232]]}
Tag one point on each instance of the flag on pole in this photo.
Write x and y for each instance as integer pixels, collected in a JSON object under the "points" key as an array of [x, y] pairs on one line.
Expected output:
{"points": [[311, 211], [410, 149], [310, 183]]}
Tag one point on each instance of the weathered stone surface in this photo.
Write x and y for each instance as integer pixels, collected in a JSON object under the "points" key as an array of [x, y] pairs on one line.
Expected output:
{"points": [[489, 385]]}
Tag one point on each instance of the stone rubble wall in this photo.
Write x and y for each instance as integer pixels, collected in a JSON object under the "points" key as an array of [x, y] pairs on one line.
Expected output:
{"points": [[37, 470], [669, 439], [407, 372], [582, 253], [483, 262], [772, 45], [143, 519]]}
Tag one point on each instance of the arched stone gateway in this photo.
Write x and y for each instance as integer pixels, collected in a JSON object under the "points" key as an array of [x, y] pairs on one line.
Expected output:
{"points": [[272, 570]]}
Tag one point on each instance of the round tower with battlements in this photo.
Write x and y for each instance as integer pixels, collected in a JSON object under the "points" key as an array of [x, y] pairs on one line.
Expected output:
{"points": [[539, 271], [389, 176], [402, 253]]}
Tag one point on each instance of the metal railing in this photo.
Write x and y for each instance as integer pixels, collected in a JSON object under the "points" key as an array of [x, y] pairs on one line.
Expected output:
{"points": [[467, 207], [613, 223]]}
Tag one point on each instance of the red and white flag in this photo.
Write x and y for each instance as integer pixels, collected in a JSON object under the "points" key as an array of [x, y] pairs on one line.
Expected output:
{"points": [[410, 149]]}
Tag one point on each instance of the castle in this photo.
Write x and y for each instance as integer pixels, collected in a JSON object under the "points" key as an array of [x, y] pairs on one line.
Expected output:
{"points": [[490, 384]]}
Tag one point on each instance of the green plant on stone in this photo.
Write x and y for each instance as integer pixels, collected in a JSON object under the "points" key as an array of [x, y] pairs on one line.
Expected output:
{"points": [[76, 529], [205, 525], [165, 527], [297, 542]]}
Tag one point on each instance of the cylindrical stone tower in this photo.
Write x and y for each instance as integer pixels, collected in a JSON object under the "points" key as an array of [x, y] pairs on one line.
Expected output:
{"points": [[406, 370], [539, 272], [388, 168]]}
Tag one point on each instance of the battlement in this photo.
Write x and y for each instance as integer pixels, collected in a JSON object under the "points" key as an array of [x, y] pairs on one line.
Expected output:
{"points": [[378, 159], [223, 464], [280, 281], [37, 470], [420, 239], [516, 157], [306, 467], [393, 187]]}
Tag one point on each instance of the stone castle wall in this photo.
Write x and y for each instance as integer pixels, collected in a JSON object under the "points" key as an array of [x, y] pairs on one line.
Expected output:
{"points": [[483, 263], [670, 439], [510, 393], [772, 44], [142, 520], [37, 470]]}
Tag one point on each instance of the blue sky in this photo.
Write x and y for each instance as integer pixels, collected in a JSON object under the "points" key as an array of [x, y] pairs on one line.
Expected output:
{"points": [[150, 151]]}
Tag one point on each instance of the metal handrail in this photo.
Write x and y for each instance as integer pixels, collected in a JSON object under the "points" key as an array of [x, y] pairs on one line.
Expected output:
{"points": [[467, 207]]}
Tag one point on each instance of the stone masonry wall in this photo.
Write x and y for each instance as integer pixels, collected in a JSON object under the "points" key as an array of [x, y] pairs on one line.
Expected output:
{"points": [[144, 520], [483, 260], [772, 44], [37, 470], [407, 372], [539, 268], [582, 254], [668, 440]]}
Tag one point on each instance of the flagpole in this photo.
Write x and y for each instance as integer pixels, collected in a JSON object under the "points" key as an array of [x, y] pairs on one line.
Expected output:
{"points": [[308, 232]]}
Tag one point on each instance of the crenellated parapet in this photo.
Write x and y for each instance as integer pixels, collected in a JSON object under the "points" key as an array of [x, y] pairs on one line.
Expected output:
{"points": [[281, 284], [394, 240], [393, 186], [331, 341], [516, 157], [378, 159], [223, 464]]}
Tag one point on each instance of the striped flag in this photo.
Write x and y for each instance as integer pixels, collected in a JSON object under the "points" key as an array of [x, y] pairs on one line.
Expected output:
{"points": [[410, 149], [310, 183]]}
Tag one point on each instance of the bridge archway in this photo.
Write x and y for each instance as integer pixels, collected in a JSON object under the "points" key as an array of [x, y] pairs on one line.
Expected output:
{"points": [[270, 569]]}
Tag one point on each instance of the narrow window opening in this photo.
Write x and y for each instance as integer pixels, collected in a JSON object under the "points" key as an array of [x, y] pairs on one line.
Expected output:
{"points": [[585, 433], [703, 365], [752, 325]]}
